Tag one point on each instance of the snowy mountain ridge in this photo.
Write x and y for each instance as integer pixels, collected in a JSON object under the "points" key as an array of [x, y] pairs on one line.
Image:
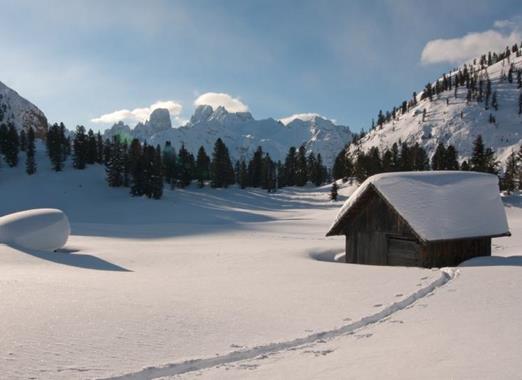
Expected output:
{"points": [[451, 119], [21, 112], [241, 133]]}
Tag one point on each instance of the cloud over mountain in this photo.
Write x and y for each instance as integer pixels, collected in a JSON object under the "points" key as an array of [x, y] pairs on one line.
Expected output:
{"points": [[141, 114], [216, 99], [461, 49]]}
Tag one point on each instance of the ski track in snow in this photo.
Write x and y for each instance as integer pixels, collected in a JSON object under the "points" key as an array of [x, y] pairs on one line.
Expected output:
{"points": [[447, 274]]}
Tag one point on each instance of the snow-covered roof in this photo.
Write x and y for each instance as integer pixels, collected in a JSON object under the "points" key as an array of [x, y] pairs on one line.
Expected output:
{"points": [[438, 205]]}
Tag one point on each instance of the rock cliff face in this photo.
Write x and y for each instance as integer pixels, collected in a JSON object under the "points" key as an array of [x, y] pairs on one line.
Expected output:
{"points": [[19, 111]]}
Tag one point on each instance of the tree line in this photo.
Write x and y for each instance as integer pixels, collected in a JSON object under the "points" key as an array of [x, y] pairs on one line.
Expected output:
{"points": [[406, 157], [146, 169]]}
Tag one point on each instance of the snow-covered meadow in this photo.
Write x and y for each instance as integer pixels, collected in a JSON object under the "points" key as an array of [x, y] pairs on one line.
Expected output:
{"points": [[195, 282]]}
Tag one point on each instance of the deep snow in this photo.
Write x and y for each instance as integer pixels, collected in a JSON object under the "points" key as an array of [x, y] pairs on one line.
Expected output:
{"points": [[440, 205], [211, 273]]}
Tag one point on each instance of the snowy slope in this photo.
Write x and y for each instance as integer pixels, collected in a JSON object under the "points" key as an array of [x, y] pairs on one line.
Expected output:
{"points": [[21, 112], [204, 278], [444, 123], [243, 134]]}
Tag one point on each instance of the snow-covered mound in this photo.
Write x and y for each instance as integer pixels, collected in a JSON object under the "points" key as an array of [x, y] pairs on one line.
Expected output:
{"points": [[19, 111], [440, 205], [242, 133], [44, 229], [451, 120]]}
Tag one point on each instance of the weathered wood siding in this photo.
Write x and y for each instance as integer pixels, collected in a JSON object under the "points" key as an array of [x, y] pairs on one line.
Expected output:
{"points": [[377, 234], [368, 230], [453, 252]]}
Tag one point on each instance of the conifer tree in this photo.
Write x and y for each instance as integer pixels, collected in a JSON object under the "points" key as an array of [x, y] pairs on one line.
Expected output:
{"points": [[80, 148], [136, 169], [185, 167], [268, 174], [339, 169], [300, 167], [11, 146], [243, 175], [202, 166], [23, 140], [99, 148], [334, 191], [221, 169], [256, 168], [465, 166], [115, 164], [438, 160], [478, 158], [157, 174], [451, 161], [30, 163], [290, 167], [92, 148], [56, 147], [170, 164]]}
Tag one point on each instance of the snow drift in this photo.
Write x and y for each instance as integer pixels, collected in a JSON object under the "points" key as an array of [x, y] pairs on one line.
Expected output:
{"points": [[39, 229]]}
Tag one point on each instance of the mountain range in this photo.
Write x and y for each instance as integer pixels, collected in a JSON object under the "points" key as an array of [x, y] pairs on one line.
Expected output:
{"points": [[241, 133]]}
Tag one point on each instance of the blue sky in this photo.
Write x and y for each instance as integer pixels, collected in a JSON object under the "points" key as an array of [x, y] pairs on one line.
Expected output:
{"points": [[81, 60]]}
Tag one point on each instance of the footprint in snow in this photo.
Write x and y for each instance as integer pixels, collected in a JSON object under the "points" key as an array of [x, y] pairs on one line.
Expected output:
{"points": [[377, 305], [424, 278], [363, 336], [399, 295], [347, 319]]}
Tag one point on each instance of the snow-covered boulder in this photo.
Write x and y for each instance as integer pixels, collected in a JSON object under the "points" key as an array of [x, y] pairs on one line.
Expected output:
{"points": [[43, 229]]}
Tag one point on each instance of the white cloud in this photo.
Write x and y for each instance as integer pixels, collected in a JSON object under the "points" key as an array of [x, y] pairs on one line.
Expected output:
{"points": [[140, 114], [301, 116], [216, 99], [473, 45]]}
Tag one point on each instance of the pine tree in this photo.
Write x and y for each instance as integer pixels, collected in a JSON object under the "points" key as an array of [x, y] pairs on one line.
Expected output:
{"points": [[451, 161], [339, 169], [80, 148], [221, 169], [56, 147], [439, 158], [170, 164], [115, 164], [99, 148], [92, 148], [202, 166], [12, 146], [255, 168], [136, 169], [290, 167], [478, 159], [405, 160], [465, 166], [185, 167], [334, 191], [300, 167], [157, 174], [23, 140], [243, 175], [30, 163]]}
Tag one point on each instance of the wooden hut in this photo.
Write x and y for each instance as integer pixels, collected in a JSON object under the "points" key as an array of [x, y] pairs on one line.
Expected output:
{"points": [[425, 219]]}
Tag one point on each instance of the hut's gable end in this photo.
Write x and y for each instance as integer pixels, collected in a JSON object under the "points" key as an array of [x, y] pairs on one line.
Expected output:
{"points": [[368, 228]]}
